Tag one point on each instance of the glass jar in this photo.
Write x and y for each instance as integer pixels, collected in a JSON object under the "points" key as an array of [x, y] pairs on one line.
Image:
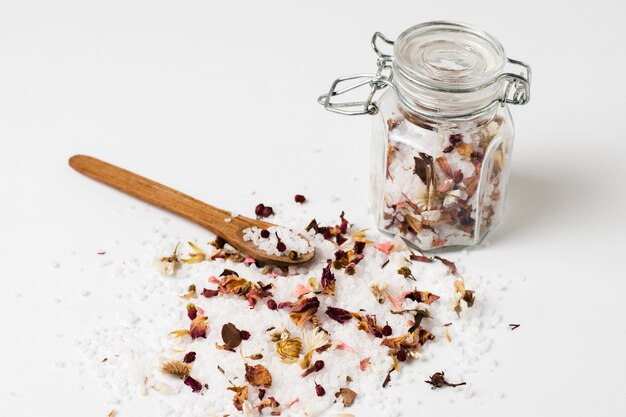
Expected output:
{"points": [[442, 132]]}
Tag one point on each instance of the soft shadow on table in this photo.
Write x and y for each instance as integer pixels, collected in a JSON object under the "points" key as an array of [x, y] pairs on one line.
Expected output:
{"points": [[534, 203]]}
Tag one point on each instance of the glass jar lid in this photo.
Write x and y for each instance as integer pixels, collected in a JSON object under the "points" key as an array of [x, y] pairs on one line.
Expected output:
{"points": [[449, 56]]}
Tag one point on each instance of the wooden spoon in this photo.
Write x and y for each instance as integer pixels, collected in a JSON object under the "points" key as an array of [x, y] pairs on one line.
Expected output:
{"points": [[205, 215]]}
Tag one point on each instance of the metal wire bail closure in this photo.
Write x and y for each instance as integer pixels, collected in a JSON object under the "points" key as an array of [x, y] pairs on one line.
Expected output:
{"points": [[516, 90]]}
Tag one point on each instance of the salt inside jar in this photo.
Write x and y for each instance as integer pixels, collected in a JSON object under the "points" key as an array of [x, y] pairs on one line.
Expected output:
{"points": [[442, 131]]}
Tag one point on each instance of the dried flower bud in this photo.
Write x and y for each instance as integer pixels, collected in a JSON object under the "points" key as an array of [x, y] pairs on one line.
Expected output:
{"points": [[267, 211], [289, 349], [189, 357], [405, 271], [437, 380], [387, 330], [176, 368], [293, 254], [258, 210], [265, 234], [319, 365], [299, 198], [271, 304], [401, 355], [319, 390], [281, 246]]}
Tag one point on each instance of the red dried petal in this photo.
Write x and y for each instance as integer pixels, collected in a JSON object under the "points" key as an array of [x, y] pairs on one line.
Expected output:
{"points": [[194, 384], [303, 310], [299, 198], [189, 357], [328, 280], [209, 293], [339, 314]]}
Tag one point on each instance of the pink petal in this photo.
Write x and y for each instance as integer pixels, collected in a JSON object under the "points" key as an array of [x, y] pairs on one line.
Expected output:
{"points": [[214, 280], [385, 247], [289, 404], [446, 186], [200, 311], [347, 348], [249, 260], [395, 303], [364, 363], [300, 290]]}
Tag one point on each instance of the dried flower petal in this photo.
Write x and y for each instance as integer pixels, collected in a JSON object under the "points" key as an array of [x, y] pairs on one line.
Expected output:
{"points": [[451, 265], [189, 357], [241, 395], [368, 324], [176, 368], [196, 256], [339, 314], [193, 384], [347, 396], [461, 294], [209, 293], [303, 310], [199, 327], [364, 363], [258, 376], [346, 347], [300, 290], [385, 247]]}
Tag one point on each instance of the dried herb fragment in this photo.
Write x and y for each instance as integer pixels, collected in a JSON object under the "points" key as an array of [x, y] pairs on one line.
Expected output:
{"points": [[258, 376], [303, 310], [379, 291], [437, 380], [339, 314], [368, 324], [191, 292], [193, 384], [176, 368], [451, 265], [514, 326], [388, 377], [255, 356], [245, 335], [299, 198], [422, 297], [316, 367], [269, 402], [241, 395], [169, 264], [405, 271], [196, 256], [189, 357], [461, 294], [192, 311], [347, 396], [328, 280]]}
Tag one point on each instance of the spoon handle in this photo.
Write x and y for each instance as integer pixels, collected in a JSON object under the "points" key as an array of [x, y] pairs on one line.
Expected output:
{"points": [[154, 193]]}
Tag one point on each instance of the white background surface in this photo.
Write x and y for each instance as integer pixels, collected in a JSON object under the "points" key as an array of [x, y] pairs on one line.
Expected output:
{"points": [[217, 99]]}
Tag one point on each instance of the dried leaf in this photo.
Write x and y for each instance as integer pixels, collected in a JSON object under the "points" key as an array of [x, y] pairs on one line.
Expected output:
{"points": [[176, 368], [231, 336], [258, 376], [347, 396]]}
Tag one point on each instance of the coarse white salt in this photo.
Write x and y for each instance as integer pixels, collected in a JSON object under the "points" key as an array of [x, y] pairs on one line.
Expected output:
{"points": [[292, 241], [136, 348], [228, 220]]}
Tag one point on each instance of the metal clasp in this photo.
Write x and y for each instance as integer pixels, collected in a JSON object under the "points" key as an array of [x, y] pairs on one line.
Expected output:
{"points": [[376, 82], [517, 90]]}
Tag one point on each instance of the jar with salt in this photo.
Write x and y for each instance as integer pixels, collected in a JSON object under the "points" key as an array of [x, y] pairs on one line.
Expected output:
{"points": [[442, 132]]}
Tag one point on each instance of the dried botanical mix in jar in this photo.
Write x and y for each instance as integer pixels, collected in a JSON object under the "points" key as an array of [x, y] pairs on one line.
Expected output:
{"points": [[442, 132]]}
